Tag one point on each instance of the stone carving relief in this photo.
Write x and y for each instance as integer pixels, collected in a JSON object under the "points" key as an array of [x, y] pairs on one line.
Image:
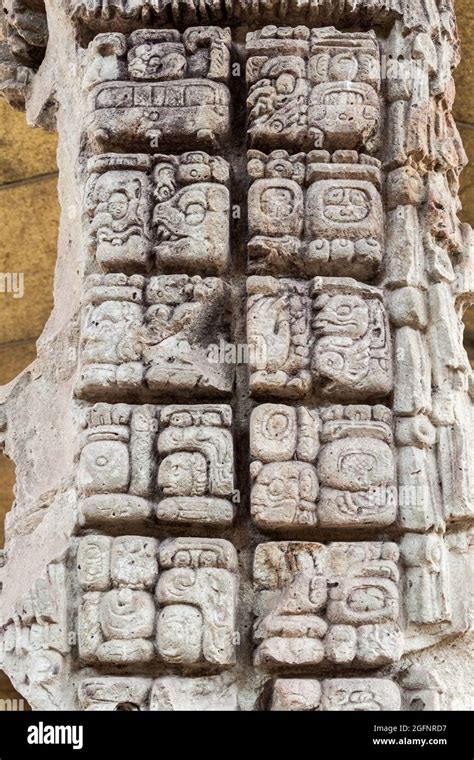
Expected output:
{"points": [[196, 475], [419, 690], [25, 28], [419, 94], [313, 88], [426, 255], [117, 462], [316, 214], [423, 690], [154, 335], [330, 467], [160, 89], [117, 614], [197, 594], [435, 568], [191, 213], [118, 200], [344, 107], [165, 694], [335, 694], [141, 601], [169, 213], [111, 693], [360, 416], [329, 336], [139, 464], [336, 604], [415, 14], [35, 643]]}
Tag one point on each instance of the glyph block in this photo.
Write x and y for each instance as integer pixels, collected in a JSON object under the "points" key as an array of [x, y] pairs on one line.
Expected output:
{"points": [[437, 569], [313, 88], [155, 336], [168, 213], [165, 694], [197, 594], [315, 214], [335, 694], [171, 464], [167, 89], [35, 641], [212, 694], [119, 580], [344, 108], [329, 336], [329, 467], [159, 601], [335, 604], [196, 471]]}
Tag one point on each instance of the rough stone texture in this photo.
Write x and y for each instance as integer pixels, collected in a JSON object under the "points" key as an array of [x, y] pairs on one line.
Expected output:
{"points": [[358, 378]]}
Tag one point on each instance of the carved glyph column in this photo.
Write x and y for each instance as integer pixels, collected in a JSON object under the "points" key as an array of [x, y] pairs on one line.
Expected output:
{"points": [[244, 452]]}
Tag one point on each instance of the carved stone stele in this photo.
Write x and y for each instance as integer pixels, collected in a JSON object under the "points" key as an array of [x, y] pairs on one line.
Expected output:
{"points": [[244, 453]]}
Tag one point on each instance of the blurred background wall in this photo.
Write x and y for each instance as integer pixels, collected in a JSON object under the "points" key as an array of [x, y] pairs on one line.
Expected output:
{"points": [[29, 216]]}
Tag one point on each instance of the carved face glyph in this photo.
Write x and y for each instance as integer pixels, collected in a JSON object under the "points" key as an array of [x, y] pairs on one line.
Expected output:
{"points": [[107, 332], [197, 211], [158, 62], [179, 633], [342, 315], [127, 614], [183, 474], [286, 491], [345, 205], [118, 205]]}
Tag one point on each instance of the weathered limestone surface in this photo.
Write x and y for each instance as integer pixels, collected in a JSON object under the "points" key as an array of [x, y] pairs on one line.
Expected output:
{"points": [[291, 529]]}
